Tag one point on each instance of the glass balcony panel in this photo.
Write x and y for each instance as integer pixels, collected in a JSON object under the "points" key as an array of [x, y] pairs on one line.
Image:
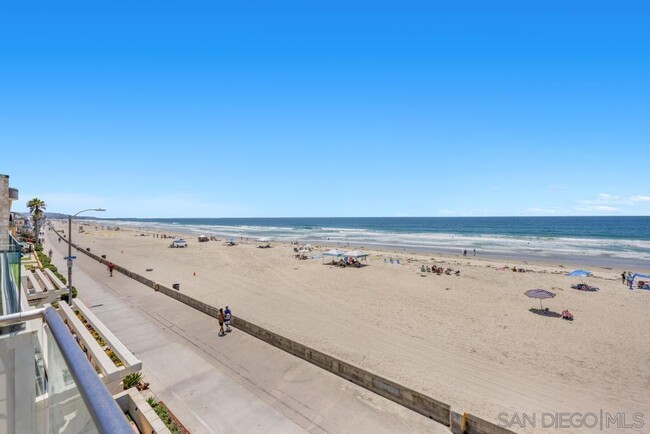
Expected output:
{"points": [[9, 274], [68, 413]]}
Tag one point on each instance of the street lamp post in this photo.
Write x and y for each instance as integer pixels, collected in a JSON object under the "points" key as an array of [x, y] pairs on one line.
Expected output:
{"points": [[70, 246]]}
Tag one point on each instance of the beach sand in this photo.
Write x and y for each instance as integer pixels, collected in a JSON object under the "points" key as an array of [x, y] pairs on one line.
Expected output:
{"points": [[470, 340]]}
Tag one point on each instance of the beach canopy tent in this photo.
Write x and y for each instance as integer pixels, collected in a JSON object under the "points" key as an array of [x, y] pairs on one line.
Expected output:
{"points": [[540, 294], [635, 275], [643, 276], [334, 253], [264, 242], [356, 254]]}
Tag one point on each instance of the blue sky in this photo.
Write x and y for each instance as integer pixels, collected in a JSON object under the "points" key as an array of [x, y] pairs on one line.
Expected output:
{"points": [[238, 109]]}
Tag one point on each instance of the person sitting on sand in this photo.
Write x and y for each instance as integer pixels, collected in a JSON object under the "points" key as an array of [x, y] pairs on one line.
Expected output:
{"points": [[428, 269], [422, 269], [567, 315]]}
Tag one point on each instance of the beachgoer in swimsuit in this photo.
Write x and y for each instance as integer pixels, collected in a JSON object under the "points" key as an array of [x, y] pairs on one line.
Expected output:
{"points": [[221, 319]]}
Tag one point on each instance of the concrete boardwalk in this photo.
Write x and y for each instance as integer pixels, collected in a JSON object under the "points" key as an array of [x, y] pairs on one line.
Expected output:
{"points": [[234, 383]]}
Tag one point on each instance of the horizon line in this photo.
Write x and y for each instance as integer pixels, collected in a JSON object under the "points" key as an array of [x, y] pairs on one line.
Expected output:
{"points": [[355, 217]]}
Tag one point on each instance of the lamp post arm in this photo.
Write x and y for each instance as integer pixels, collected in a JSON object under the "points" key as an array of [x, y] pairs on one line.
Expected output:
{"points": [[89, 209], [70, 247]]}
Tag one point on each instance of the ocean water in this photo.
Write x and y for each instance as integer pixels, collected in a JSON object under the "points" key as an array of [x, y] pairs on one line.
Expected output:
{"points": [[548, 237]]}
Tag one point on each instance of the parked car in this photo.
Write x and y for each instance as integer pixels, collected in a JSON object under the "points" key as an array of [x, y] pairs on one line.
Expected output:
{"points": [[178, 243]]}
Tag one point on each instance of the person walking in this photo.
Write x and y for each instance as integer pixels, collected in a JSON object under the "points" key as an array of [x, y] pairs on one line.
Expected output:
{"points": [[110, 269], [227, 316], [623, 277], [221, 319]]}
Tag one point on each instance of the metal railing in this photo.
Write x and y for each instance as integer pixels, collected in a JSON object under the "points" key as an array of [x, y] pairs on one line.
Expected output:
{"points": [[106, 416]]}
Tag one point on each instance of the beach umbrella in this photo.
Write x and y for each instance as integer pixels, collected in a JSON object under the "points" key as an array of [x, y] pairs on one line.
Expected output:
{"points": [[540, 294], [580, 274]]}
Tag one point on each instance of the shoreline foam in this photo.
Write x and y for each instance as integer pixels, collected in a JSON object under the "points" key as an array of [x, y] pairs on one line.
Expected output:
{"points": [[500, 253]]}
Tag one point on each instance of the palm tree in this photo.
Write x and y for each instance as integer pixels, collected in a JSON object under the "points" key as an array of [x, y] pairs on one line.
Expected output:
{"points": [[36, 207]]}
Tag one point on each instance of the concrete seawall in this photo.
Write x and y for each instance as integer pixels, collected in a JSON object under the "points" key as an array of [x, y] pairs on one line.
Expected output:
{"points": [[409, 398]]}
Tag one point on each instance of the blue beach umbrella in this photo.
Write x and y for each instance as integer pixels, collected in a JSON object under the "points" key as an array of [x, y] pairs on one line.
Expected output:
{"points": [[579, 273], [540, 294]]}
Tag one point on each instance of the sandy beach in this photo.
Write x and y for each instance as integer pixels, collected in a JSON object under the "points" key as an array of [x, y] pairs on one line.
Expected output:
{"points": [[470, 340]]}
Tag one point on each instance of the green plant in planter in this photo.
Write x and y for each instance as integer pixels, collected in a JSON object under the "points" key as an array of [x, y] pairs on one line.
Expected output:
{"points": [[152, 401], [132, 380]]}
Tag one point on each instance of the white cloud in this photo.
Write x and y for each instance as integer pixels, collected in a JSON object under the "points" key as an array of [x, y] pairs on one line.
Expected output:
{"points": [[447, 212], [607, 197], [602, 198], [606, 208], [609, 202], [599, 208], [543, 210]]}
